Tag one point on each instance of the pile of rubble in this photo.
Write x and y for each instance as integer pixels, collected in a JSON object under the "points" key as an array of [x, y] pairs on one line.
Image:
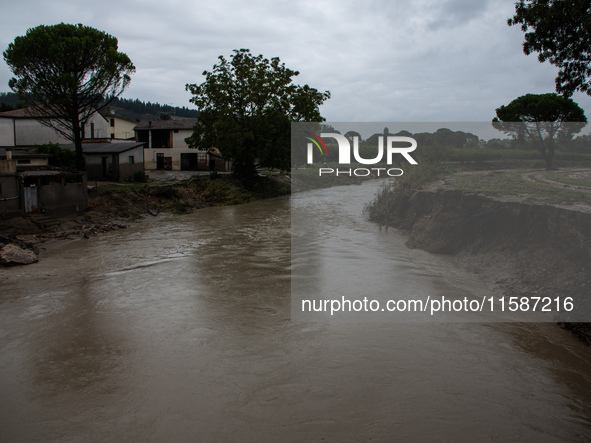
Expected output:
{"points": [[14, 251]]}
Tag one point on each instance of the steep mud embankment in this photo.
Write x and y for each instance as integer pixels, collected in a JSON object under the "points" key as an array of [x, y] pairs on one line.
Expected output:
{"points": [[525, 250]]}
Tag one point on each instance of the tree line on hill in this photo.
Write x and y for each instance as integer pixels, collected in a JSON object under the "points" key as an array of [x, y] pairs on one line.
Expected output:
{"points": [[131, 109], [136, 109]]}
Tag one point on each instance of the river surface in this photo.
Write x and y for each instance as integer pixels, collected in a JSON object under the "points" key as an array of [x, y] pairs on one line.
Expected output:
{"points": [[180, 330]]}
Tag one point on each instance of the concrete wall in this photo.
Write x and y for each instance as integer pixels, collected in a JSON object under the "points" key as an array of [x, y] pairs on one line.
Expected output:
{"points": [[31, 132], [94, 166], [178, 146], [9, 195], [6, 132], [128, 170], [122, 129], [117, 165], [57, 199], [32, 161], [7, 166], [150, 158], [100, 127], [178, 139]]}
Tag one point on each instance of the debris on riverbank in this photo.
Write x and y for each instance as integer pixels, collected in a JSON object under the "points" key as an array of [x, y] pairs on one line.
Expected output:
{"points": [[15, 251]]}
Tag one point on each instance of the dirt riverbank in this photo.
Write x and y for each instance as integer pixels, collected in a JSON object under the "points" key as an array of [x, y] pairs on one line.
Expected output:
{"points": [[523, 249], [116, 206]]}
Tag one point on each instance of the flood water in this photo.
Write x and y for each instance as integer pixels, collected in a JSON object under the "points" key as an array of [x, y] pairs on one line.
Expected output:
{"points": [[180, 330]]}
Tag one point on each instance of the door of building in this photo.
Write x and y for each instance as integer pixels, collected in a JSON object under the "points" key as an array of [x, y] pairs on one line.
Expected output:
{"points": [[31, 200]]}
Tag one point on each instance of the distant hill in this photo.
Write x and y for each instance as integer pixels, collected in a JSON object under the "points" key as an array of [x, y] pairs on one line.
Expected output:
{"points": [[130, 109], [136, 110]]}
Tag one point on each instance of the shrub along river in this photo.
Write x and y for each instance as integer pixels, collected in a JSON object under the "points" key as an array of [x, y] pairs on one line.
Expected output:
{"points": [[180, 330]]}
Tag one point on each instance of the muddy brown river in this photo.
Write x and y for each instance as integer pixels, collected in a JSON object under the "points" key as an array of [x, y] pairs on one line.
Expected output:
{"points": [[180, 330]]}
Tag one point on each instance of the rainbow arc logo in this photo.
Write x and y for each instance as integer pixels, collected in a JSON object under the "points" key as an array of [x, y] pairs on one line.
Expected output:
{"points": [[315, 140]]}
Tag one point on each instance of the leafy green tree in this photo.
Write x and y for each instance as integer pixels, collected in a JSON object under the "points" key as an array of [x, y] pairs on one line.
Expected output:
{"points": [[246, 108], [350, 135], [560, 31], [63, 158], [9, 101], [541, 119], [581, 144], [66, 71]]}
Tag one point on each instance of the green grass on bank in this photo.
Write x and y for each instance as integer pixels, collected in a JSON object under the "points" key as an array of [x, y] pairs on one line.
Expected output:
{"points": [[560, 177], [517, 183]]}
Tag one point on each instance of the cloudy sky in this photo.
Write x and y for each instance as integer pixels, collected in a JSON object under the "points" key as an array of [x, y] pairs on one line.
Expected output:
{"points": [[382, 60]]}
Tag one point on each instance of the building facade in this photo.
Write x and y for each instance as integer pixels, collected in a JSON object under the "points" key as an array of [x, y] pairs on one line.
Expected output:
{"points": [[166, 148], [21, 127], [114, 161], [120, 128]]}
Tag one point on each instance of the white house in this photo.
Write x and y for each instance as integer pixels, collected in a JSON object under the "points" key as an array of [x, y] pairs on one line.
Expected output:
{"points": [[166, 147], [119, 128], [21, 127], [165, 144]]}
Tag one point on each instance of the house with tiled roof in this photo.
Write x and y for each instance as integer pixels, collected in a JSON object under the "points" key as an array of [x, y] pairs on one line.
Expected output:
{"points": [[119, 128], [23, 128], [166, 147]]}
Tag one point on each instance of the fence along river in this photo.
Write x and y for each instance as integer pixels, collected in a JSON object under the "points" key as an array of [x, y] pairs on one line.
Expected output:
{"points": [[179, 330]]}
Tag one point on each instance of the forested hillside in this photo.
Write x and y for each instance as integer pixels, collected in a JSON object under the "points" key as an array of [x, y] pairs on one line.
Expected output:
{"points": [[131, 109]]}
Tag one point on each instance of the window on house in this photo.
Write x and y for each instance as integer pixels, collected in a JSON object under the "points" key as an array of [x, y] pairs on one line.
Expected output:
{"points": [[113, 135], [131, 159], [92, 130], [23, 162], [112, 122], [176, 131]]}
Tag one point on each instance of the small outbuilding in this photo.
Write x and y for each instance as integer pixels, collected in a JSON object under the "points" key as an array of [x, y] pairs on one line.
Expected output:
{"points": [[41, 189], [114, 161]]}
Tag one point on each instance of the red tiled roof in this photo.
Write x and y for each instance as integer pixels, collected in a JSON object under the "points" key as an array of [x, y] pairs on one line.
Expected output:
{"points": [[33, 112]]}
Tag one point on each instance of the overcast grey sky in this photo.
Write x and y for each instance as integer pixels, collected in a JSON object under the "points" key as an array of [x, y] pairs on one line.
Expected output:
{"points": [[408, 60]]}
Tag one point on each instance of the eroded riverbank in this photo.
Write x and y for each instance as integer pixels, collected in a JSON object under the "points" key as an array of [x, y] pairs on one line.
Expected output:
{"points": [[524, 249]]}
